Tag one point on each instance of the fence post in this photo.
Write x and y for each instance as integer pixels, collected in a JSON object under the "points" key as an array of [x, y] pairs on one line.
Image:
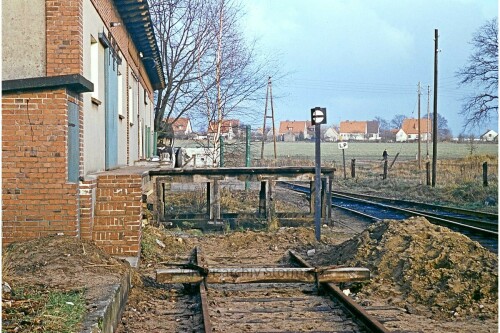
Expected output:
{"points": [[385, 170], [247, 153], [428, 173], [353, 168], [485, 174]]}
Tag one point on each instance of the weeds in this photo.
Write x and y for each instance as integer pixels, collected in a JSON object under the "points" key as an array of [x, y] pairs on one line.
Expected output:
{"points": [[47, 311]]}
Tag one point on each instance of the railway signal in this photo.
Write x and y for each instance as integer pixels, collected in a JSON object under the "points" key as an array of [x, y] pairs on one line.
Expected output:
{"points": [[318, 117]]}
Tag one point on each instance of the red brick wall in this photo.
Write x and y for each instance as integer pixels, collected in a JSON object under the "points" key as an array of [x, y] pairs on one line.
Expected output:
{"points": [[117, 224], [37, 200], [64, 33], [88, 190]]}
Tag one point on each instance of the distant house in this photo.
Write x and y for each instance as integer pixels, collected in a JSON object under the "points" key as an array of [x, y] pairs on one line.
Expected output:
{"points": [[409, 130], [181, 126], [293, 130], [489, 136], [229, 128], [359, 130], [372, 130], [331, 135]]}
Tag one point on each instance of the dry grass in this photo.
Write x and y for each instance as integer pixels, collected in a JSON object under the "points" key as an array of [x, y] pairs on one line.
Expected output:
{"points": [[459, 182]]}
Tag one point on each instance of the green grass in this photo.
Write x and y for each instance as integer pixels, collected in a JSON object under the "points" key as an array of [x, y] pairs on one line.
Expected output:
{"points": [[44, 311], [363, 150], [372, 151]]}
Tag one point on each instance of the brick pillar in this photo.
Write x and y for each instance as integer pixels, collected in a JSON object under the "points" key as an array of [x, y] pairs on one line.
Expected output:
{"points": [[88, 191], [118, 215]]}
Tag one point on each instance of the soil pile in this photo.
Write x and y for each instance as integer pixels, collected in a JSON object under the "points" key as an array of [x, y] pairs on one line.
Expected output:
{"points": [[60, 262], [416, 264]]}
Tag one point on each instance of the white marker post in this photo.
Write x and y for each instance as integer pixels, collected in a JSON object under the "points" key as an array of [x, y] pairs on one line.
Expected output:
{"points": [[318, 117], [343, 147]]}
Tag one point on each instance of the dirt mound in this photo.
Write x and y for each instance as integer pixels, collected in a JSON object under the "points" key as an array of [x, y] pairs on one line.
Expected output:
{"points": [[265, 247], [60, 262], [415, 263]]}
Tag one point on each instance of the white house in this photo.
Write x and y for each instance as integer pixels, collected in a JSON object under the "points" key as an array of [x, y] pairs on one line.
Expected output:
{"points": [[489, 136], [359, 130], [331, 135], [409, 130]]}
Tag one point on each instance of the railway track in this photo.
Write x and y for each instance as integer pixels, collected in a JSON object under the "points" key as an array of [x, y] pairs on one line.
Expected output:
{"points": [[479, 226], [277, 307]]}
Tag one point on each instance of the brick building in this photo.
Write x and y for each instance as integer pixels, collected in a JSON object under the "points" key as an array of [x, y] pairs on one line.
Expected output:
{"points": [[78, 83]]}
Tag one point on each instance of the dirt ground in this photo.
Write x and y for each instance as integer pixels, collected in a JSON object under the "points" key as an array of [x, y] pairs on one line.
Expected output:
{"points": [[51, 264], [430, 279]]}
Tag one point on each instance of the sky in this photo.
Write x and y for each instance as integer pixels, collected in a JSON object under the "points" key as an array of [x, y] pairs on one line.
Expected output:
{"points": [[362, 59]]}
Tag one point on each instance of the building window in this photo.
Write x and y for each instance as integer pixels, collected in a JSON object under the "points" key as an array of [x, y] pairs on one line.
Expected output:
{"points": [[131, 105], [120, 95], [94, 66]]}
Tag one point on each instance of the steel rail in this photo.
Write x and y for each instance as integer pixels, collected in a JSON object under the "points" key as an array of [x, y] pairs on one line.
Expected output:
{"points": [[428, 207], [431, 218], [484, 215], [207, 325], [357, 212], [370, 322]]}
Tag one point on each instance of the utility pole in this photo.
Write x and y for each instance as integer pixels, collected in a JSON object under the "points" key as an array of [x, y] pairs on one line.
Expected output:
{"points": [[435, 123], [269, 95], [428, 119], [419, 132]]}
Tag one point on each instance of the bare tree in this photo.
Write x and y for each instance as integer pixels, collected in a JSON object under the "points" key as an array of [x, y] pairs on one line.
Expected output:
{"points": [[183, 35], [238, 78], [397, 121], [482, 73], [211, 71]]}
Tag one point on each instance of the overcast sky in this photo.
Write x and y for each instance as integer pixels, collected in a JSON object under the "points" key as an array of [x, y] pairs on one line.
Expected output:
{"points": [[362, 59]]}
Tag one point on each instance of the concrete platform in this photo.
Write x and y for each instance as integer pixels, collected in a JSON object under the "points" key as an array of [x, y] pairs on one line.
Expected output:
{"points": [[107, 311]]}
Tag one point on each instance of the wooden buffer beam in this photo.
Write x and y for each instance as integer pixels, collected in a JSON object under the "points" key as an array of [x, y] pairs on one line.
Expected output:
{"points": [[237, 275]]}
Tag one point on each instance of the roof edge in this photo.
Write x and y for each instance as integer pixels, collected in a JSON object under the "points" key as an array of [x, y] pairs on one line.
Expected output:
{"points": [[74, 82]]}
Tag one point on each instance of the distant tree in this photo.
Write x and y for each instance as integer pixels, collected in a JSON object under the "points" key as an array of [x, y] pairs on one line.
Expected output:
{"points": [[444, 132], [481, 72], [461, 137], [382, 124], [471, 144], [397, 121]]}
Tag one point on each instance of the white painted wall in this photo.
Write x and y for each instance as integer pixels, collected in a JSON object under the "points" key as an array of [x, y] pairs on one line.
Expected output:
{"points": [[141, 112], [93, 119]]}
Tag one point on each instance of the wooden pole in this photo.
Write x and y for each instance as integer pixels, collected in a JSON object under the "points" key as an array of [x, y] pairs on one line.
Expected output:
{"points": [[435, 124], [385, 170], [428, 173], [265, 118], [419, 131], [353, 168]]}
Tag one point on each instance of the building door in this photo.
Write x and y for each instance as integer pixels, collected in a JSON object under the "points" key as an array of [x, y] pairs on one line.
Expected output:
{"points": [[111, 109], [73, 143]]}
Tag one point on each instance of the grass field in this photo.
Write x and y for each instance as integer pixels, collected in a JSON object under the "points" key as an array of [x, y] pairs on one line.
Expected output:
{"points": [[371, 151]]}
